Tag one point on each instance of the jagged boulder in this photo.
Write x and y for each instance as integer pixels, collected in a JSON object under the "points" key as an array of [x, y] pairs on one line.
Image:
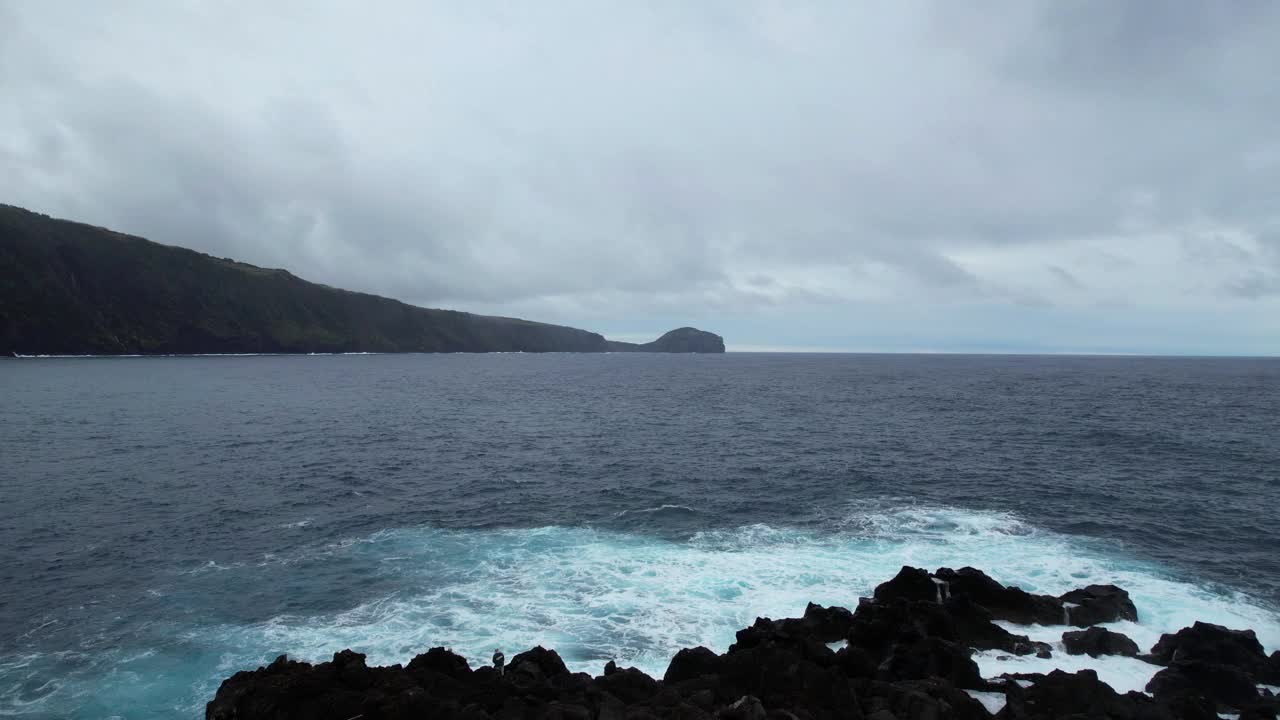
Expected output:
{"points": [[1211, 643], [1267, 708], [1213, 661], [440, 660], [878, 625], [793, 634], [855, 662], [691, 663], [909, 584], [629, 685], [1012, 604], [1098, 604], [825, 624], [931, 657], [797, 677], [931, 698], [336, 690], [975, 627], [1227, 685], [540, 661], [1081, 694], [1097, 641]]}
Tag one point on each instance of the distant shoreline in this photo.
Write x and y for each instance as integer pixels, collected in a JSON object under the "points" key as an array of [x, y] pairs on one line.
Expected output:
{"points": [[75, 289], [22, 356]]}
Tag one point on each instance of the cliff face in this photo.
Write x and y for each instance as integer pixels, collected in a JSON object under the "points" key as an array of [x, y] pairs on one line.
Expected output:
{"points": [[70, 288], [680, 340]]}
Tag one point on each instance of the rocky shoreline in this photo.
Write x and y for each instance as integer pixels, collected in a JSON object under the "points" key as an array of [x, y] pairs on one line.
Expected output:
{"points": [[907, 654]]}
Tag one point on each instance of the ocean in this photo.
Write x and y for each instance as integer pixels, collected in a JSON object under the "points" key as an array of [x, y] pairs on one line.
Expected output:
{"points": [[166, 522]]}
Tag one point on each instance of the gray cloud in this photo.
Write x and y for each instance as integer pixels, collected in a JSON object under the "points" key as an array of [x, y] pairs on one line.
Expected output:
{"points": [[1066, 277], [743, 165]]}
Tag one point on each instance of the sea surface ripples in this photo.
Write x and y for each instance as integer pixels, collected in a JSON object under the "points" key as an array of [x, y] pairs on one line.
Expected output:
{"points": [[168, 521]]}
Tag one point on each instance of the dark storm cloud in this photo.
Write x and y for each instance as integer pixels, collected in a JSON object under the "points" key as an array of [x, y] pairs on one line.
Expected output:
{"points": [[587, 163]]}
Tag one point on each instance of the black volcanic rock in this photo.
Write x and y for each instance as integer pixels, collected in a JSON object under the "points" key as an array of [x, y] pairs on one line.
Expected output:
{"points": [[931, 657], [907, 656], [439, 660], [629, 685], [1080, 695], [1098, 641], [819, 624], [70, 288], [680, 340], [1228, 685], [1098, 604], [930, 698], [1083, 607], [1207, 642], [878, 625], [1012, 604], [1212, 661], [691, 663], [909, 584], [827, 624], [1267, 709], [539, 661]]}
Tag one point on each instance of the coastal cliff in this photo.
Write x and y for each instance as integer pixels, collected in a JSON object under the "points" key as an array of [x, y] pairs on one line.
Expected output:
{"points": [[904, 654], [67, 288]]}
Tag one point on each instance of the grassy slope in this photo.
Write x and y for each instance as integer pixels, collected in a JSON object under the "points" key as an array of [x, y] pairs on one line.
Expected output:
{"points": [[71, 288]]}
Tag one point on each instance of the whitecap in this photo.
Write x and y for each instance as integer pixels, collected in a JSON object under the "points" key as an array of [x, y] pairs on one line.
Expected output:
{"points": [[659, 508], [1123, 674], [597, 595], [210, 565], [36, 629]]}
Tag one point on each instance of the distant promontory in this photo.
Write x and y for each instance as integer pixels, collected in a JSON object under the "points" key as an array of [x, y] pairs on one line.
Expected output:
{"points": [[67, 288], [680, 340]]}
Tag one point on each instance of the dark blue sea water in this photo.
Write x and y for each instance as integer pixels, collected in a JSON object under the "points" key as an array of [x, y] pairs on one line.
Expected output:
{"points": [[165, 522]]}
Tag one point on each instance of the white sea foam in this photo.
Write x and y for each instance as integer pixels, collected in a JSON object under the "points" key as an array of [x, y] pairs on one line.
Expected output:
{"points": [[37, 629], [1123, 674], [648, 510], [596, 595], [993, 701]]}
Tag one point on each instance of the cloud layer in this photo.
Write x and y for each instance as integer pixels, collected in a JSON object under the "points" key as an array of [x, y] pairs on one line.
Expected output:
{"points": [[1034, 176]]}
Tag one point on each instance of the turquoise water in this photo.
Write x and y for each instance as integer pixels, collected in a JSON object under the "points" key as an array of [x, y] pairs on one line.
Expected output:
{"points": [[170, 522]]}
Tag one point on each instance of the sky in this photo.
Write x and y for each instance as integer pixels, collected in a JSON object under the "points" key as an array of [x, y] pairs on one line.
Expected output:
{"points": [[1091, 176]]}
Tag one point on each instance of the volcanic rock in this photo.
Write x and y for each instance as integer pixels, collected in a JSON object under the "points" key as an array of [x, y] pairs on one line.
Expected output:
{"points": [[1098, 604], [1098, 641]]}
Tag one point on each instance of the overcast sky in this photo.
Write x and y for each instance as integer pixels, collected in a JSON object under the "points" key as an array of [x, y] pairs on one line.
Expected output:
{"points": [[1095, 176]]}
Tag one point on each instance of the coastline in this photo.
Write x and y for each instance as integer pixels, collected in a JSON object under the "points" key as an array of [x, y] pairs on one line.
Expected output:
{"points": [[21, 356], [907, 652]]}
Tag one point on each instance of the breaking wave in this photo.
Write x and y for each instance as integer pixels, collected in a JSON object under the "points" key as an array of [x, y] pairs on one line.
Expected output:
{"points": [[597, 595]]}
